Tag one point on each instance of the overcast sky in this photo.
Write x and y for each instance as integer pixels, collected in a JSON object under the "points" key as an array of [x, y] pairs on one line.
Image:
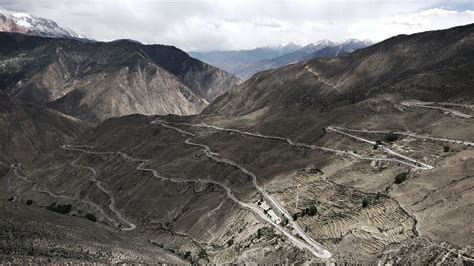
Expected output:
{"points": [[232, 24]]}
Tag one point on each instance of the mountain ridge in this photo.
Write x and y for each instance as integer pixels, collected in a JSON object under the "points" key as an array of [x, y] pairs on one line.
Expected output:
{"points": [[97, 80], [337, 70]]}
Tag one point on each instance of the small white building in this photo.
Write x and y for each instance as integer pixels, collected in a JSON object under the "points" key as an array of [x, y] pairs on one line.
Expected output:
{"points": [[264, 205], [274, 217]]}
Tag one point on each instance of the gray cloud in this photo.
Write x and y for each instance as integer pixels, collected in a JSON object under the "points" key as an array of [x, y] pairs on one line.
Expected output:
{"points": [[208, 24]]}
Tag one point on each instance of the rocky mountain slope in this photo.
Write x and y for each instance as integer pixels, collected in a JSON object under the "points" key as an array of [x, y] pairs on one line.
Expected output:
{"points": [[32, 25], [361, 159], [95, 80], [403, 67], [30, 131]]}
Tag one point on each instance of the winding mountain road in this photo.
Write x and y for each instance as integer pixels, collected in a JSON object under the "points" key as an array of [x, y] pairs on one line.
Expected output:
{"points": [[408, 134], [17, 167], [415, 103], [97, 182], [416, 164], [309, 244], [298, 144]]}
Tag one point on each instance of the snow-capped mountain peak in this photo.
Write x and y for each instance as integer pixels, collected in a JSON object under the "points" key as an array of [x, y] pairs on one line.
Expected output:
{"points": [[29, 24], [312, 47]]}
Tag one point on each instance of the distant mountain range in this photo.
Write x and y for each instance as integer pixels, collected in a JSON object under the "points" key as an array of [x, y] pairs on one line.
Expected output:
{"points": [[242, 63], [245, 63], [32, 25]]}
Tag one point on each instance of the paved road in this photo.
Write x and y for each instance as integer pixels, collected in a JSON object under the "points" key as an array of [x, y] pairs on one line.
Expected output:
{"points": [[421, 104], [298, 144], [94, 179], [408, 134], [415, 163], [309, 244]]}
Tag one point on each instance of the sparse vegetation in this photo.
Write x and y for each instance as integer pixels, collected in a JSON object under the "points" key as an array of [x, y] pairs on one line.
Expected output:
{"points": [[310, 211], [187, 255], [60, 208], [295, 216], [365, 203], [91, 217], [401, 177], [446, 148], [265, 231], [391, 137], [203, 254]]}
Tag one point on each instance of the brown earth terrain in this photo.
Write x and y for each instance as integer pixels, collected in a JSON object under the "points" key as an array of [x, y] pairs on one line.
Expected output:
{"points": [[322, 161]]}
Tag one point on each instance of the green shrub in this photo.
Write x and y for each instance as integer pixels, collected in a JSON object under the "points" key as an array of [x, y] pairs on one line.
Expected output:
{"points": [[29, 202], [446, 148], [295, 216], [203, 254], [365, 203], [311, 211], [60, 208], [401, 177], [91, 217], [391, 137]]}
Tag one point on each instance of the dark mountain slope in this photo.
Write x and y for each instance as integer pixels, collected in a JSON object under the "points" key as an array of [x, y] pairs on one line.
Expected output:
{"points": [[30, 131], [433, 66], [94, 80], [288, 132]]}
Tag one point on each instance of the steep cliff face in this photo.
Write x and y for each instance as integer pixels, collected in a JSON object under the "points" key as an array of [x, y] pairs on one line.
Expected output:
{"points": [[205, 80], [96, 81]]}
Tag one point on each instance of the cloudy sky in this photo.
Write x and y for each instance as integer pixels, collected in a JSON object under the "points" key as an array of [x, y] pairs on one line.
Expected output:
{"points": [[231, 24]]}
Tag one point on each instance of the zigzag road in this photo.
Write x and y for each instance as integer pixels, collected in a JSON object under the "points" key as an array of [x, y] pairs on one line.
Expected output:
{"points": [[16, 168], [309, 244], [319, 251], [97, 182]]}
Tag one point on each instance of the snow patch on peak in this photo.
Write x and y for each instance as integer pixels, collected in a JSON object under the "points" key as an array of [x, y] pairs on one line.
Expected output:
{"points": [[39, 26]]}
